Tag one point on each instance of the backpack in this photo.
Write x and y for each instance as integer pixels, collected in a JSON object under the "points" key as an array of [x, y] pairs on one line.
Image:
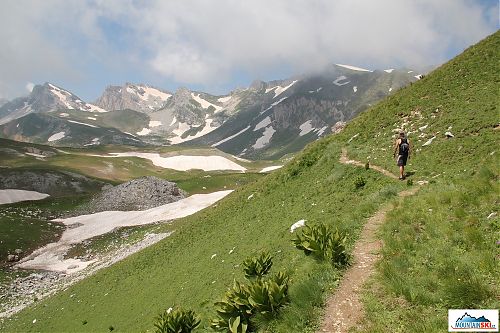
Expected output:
{"points": [[404, 147]]}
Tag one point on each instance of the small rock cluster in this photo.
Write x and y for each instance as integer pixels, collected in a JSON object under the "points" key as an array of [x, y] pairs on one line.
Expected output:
{"points": [[138, 194]]}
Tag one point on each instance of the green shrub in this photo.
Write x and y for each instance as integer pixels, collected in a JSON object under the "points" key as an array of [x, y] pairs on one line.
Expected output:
{"points": [[234, 308], [176, 321], [359, 182], [236, 326], [323, 243], [409, 182], [263, 297], [257, 266], [268, 296]]}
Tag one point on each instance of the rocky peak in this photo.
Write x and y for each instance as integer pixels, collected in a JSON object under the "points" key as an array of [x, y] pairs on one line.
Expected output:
{"points": [[257, 85], [137, 97]]}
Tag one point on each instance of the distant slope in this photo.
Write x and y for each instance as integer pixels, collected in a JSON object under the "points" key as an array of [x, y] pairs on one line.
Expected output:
{"points": [[276, 118], [52, 129], [264, 121], [44, 98], [193, 267]]}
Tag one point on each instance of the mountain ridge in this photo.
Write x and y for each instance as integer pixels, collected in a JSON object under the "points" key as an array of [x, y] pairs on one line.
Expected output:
{"points": [[201, 259]]}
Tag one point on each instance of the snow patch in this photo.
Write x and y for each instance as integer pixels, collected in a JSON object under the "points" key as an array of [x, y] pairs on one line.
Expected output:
{"points": [[279, 90], [62, 95], [185, 162], [79, 123], [354, 68], [230, 137], [390, 89], [340, 78], [305, 128], [144, 131], [224, 99], [91, 118], [273, 105], [355, 88], [389, 70], [57, 136], [50, 257], [207, 128], [322, 130], [36, 155], [11, 196], [94, 108], [154, 123], [205, 104], [174, 120], [63, 115], [149, 91], [270, 168], [265, 122], [265, 138]]}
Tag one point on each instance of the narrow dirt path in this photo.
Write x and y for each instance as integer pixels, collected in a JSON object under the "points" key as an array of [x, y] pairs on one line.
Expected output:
{"points": [[344, 308], [345, 160]]}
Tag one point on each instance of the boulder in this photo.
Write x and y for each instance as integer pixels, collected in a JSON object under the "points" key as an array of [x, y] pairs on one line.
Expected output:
{"points": [[12, 258]]}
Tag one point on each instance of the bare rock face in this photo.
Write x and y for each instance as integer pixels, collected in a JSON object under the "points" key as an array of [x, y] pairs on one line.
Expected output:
{"points": [[138, 194], [137, 97], [338, 127]]}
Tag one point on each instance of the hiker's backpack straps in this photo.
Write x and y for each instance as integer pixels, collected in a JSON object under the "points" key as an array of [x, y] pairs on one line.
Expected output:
{"points": [[404, 147]]}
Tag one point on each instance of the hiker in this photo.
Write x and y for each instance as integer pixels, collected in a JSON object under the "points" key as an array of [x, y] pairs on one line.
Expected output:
{"points": [[402, 147]]}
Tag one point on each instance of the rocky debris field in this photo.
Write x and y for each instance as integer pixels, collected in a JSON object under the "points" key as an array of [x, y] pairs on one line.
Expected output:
{"points": [[138, 194], [26, 290]]}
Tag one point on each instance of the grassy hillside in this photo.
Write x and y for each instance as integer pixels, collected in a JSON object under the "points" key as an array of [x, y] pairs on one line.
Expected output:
{"points": [[462, 94]]}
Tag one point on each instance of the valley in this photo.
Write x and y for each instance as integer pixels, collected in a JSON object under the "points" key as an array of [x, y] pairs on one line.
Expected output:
{"points": [[149, 200]]}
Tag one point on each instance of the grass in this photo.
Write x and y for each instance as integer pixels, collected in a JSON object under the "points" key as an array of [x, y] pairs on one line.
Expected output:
{"points": [[440, 253], [426, 251], [179, 270]]}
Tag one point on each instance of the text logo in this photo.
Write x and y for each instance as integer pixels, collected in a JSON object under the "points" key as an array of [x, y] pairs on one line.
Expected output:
{"points": [[468, 320]]}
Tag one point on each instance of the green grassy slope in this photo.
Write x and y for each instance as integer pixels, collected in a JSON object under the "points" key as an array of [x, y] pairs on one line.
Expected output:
{"points": [[315, 187]]}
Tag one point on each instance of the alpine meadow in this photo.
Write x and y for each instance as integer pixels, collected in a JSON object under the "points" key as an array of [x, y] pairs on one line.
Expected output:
{"points": [[439, 246]]}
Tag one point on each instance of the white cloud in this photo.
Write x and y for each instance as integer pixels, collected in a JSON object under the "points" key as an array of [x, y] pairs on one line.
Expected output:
{"points": [[29, 86], [207, 42]]}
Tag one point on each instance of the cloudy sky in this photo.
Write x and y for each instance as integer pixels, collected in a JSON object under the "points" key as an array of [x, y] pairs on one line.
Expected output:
{"points": [[218, 45]]}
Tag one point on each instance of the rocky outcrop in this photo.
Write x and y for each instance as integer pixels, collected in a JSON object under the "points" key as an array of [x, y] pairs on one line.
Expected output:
{"points": [[140, 97], [138, 194], [50, 182]]}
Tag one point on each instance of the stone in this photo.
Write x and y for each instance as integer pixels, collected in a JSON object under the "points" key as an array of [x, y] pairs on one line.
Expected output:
{"points": [[12, 258], [18, 251]]}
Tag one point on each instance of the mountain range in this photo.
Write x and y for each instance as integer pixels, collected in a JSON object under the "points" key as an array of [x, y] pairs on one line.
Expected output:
{"points": [[264, 121]]}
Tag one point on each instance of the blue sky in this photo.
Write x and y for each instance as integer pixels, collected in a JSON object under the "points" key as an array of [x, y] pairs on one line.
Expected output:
{"points": [[216, 46]]}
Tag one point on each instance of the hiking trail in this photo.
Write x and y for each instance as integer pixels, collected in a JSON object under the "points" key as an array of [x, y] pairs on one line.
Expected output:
{"points": [[345, 160], [344, 308]]}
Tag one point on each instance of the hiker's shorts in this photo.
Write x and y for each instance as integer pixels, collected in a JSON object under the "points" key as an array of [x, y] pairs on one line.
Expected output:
{"points": [[402, 160]]}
